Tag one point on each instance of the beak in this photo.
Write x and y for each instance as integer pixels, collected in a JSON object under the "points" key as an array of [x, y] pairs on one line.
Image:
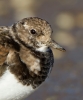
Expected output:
{"points": [[55, 45]]}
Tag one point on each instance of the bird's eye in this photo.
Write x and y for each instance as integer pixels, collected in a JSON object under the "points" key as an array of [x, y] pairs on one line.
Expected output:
{"points": [[33, 31]]}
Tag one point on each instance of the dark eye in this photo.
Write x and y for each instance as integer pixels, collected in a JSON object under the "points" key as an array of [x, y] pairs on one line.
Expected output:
{"points": [[33, 31]]}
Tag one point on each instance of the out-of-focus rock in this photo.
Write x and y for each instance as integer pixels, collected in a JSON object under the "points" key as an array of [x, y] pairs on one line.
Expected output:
{"points": [[66, 39], [23, 14], [22, 4], [4, 8], [52, 98], [65, 21], [79, 20], [58, 54], [25, 8]]}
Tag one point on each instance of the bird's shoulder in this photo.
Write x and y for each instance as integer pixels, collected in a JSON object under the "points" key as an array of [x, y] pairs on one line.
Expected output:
{"points": [[3, 55], [5, 47]]}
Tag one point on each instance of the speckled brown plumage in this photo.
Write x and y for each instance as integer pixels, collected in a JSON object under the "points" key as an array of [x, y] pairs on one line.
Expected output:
{"points": [[20, 50]]}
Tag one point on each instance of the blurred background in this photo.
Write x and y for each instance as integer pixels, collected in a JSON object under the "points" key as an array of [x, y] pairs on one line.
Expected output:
{"points": [[66, 19]]}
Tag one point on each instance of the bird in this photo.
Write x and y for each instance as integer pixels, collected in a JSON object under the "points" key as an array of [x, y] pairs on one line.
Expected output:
{"points": [[26, 57]]}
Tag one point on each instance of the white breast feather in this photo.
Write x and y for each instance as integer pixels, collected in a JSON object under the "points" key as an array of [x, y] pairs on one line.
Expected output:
{"points": [[11, 89], [42, 49]]}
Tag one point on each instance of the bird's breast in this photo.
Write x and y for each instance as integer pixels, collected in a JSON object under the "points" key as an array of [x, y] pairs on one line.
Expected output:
{"points": [[39, 65], [12, 89], [32, 62]]}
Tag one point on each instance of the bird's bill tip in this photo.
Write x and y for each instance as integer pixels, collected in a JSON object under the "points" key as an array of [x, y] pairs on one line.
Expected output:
{"points": [[61, 49], [55, 45]]}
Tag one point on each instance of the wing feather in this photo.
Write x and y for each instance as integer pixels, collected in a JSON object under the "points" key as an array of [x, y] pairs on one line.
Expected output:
{"points": [[3, 54], [4, 49]]}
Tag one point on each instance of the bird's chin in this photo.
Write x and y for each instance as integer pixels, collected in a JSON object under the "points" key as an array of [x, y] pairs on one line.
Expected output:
{"points": [[42, 49]]}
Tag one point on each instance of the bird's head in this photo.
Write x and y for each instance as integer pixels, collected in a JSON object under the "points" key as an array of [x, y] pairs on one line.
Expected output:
{"points": [[35, 33]]}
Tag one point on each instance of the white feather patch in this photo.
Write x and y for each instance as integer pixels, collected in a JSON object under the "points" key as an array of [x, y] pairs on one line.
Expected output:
{"points": [[11, 89], [42, 49]]}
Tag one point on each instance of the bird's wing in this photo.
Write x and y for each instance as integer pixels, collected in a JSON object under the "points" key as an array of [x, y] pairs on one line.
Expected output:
{"points": [[3, 54], [4, 49]]}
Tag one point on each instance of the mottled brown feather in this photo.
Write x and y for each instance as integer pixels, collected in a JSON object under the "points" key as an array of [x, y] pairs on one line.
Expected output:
{"points": [[19, 51], [3, 54], [4, 50]]}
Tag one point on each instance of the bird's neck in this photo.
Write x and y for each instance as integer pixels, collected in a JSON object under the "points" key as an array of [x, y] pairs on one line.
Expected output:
{"points": [[38, 64]]}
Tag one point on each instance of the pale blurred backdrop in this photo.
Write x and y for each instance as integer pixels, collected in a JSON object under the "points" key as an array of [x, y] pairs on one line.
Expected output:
{"points": [[66, 19]]}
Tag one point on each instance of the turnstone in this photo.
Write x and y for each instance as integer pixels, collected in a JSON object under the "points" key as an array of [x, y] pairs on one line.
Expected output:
{"points": [[25, 57]]}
